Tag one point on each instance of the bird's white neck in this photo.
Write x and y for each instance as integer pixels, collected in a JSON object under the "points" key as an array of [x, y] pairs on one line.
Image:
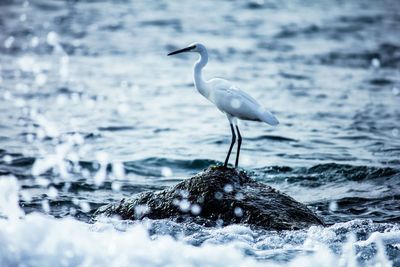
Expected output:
{"points": [[200, 84]]}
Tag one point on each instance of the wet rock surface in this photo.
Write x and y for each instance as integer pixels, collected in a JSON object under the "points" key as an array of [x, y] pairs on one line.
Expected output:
{"points": [[215, 196]]}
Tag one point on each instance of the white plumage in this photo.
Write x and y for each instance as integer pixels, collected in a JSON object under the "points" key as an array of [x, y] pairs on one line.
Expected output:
{"points": [[229, 99]]}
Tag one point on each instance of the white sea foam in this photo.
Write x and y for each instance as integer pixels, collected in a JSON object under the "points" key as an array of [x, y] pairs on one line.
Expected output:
{"points": [[9, 197], [40, 240]]}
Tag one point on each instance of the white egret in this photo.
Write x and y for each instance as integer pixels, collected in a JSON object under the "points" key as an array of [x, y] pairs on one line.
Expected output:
{"points": [[235, 103]]}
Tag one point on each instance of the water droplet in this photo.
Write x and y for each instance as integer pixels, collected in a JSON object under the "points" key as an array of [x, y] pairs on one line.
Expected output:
{"points": [[45, 206], [7, 159], [75, 97], [30, 138], [195, 209], [75, 201], [22, 17], [239, 196], [85, 206], [116, 186], [52, 192], [184, 193], [9, 42], [175, 202], [238, 212], [101, 175], [9, 200], [166, 172], [34, 41], [7, 95], [228, 188], [184, 205], [218, 195], [61, 100], [52, 38], [72, 211], [333, 206], [26, 63], [118, 170], [375, 63], [64, 67]]}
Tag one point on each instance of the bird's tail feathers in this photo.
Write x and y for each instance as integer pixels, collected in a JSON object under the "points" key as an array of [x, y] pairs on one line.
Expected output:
{"points": [[269, 118]]}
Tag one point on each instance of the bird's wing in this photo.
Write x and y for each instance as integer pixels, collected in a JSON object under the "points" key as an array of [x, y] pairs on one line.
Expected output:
{"points": [[230, 89], [231, 100]]}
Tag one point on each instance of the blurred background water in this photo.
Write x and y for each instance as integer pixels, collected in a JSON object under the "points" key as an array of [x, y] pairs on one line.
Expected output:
{"points": [[92, 110]]}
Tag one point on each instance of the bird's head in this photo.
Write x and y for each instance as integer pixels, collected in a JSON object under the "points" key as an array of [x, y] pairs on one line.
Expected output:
{"points": [[194, 47]]}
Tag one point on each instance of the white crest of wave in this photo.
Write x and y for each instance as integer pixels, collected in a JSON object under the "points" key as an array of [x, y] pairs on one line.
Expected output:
{"points": [[9, 206], [38, 240]]}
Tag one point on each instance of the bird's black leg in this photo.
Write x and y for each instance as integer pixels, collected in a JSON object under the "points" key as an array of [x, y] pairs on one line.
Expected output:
{"points": [[239, 144], [230, 148]]}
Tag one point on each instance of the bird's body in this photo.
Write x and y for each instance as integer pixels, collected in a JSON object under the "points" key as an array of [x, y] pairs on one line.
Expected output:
{"points": [[236, 103], [229, 99]]}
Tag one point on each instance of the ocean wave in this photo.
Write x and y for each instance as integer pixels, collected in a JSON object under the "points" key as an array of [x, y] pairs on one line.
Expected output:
{"points": [[327, 172], [38, 240]]}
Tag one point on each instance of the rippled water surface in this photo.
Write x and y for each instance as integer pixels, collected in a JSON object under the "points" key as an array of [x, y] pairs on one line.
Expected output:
{"points": [[93, 110]]}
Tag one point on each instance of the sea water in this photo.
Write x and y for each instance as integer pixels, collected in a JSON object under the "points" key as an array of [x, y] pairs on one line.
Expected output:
{"points": [[92, 110]]}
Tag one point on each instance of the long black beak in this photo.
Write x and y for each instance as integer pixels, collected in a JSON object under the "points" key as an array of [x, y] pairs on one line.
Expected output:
{"points": [[182, 50]]}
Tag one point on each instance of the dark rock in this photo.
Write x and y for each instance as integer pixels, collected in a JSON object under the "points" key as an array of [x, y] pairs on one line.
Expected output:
{"points": [[218, 195]]}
